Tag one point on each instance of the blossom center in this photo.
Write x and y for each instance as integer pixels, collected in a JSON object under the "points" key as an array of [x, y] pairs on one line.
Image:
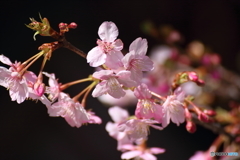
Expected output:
{"points": [[106, 47]]}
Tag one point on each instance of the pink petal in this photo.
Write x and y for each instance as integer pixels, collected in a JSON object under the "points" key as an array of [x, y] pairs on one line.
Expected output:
{"points": [[114, 59], [124, 78], [96, 57], [114, 88], [130, 154], [4, 74], [112, 129], [140, 46], [129, 147], [148, 156], [147, 64], [108, 31], [156, 150], [118, 45], [30, 77], [142, 92], [5, 60], [103, 74], [126, 60], [118, 114], [100, 89], [52, 79], [166, 118]]}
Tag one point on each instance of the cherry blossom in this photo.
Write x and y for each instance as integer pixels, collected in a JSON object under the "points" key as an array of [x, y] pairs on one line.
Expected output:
{"points": [[32, 78], [118, 115], [73, 112], [13, 80], [140, 152], [146, 107], [109, 49], [136, 60], [138, 129], [173, 108], [111, 83], [54, 87]]}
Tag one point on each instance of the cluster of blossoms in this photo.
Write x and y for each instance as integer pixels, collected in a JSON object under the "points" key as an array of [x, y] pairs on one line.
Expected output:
{"points": [[117, 76]]}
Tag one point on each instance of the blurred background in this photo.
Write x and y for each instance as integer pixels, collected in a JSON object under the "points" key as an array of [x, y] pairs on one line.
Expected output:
{"points": [[26, 130]]}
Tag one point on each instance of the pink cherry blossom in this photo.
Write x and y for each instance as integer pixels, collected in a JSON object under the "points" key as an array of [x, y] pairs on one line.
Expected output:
{"points": [[54, 87], [173, 108], [200, 155], [109, 49], [31, 79], [112, 83], [13, 80], [138, 129], [118, 115], [142, 153], [73, 112], [136, 60], [146, 107]]}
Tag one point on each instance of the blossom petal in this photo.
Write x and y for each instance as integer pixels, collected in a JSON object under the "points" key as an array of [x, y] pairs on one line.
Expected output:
{"points": [[108, 31], [118, 45], [100, 89], [103, 74], [148, 156], [156, 150], [130, 154], [114, 88], [5, 60], [124, 78], [114, 59], [118, 114], [4, 73], [140, 46], [96, 57]]}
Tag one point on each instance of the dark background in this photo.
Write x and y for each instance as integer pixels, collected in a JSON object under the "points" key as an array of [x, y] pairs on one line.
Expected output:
{"points": [[26, 130]]}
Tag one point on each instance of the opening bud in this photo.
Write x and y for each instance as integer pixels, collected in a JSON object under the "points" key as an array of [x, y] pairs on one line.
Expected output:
{"points": [[191, 127], [72, 25], [210, 112], [39, 88], [63, 26], [203, 117]]}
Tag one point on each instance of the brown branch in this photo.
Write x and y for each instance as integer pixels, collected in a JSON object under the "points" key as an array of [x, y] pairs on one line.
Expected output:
{"points": [[64, 43]]}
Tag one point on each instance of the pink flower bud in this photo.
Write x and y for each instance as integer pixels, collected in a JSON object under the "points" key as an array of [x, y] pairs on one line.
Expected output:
{"points": [[203, 117], [187, 114], [39, 88], [193, 76], [72, 25], [200, 82], [191, 127], [62, 26], [210, 112]]}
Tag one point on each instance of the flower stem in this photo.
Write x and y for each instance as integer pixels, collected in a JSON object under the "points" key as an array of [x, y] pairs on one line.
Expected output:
{"points": [[157, 95], [65, 86], [87, 92]]}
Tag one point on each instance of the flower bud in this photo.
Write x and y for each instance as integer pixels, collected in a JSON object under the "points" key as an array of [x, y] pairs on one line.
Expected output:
{"points": [[39, 88], [62, 26], [187, 114], [72, 25], [203, 117], [193, 76], [210, 112], [191, 127]]}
